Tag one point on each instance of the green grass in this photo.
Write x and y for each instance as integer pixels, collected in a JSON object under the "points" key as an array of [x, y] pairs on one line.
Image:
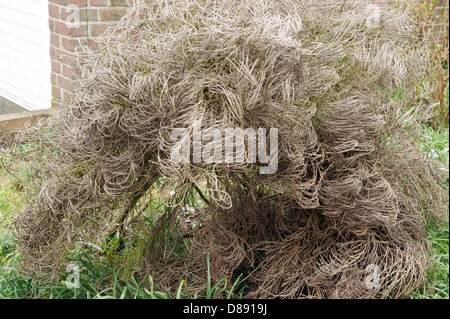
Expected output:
{"points": [[11, 199], [94, 279], [438, 285], [436, 145]]}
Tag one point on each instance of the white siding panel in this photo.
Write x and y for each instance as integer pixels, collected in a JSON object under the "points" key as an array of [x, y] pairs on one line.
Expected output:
{"points": [[22, 95], [24, 53], [21, 18], [32, 7]]}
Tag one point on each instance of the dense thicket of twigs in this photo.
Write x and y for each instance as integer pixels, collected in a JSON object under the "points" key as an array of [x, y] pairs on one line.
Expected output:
{"points": [[352, 193]]}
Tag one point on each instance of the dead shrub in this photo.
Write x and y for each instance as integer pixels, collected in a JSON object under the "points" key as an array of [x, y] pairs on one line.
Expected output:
{"points": [[352, 193]]}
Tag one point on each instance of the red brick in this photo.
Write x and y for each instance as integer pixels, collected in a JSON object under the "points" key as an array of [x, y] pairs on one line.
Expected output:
{"points": [[56, 66], [92, 14], [66, 29], [98, 3], [82, 31], [70, 44], [56, 92], [54, 39], [64, 83], [53, 78], [67, 43], [61, 28], [118, 3], [68, 71], [60, 2], [84, 14], [111, 14], [97, 28], [51, 25], [56, 103], [437, 28], [66, 96], [65, 12], [64, 56], [52, 52], [93, 45], [80, 3], [53, 10]]}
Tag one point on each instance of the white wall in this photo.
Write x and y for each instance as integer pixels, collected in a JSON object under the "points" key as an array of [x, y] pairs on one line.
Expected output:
{"points": [[25, 67]]}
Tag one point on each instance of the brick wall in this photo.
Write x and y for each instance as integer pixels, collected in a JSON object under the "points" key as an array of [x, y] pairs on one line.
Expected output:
{"points": [[439, 30], [73, 22], [94, 17]]}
